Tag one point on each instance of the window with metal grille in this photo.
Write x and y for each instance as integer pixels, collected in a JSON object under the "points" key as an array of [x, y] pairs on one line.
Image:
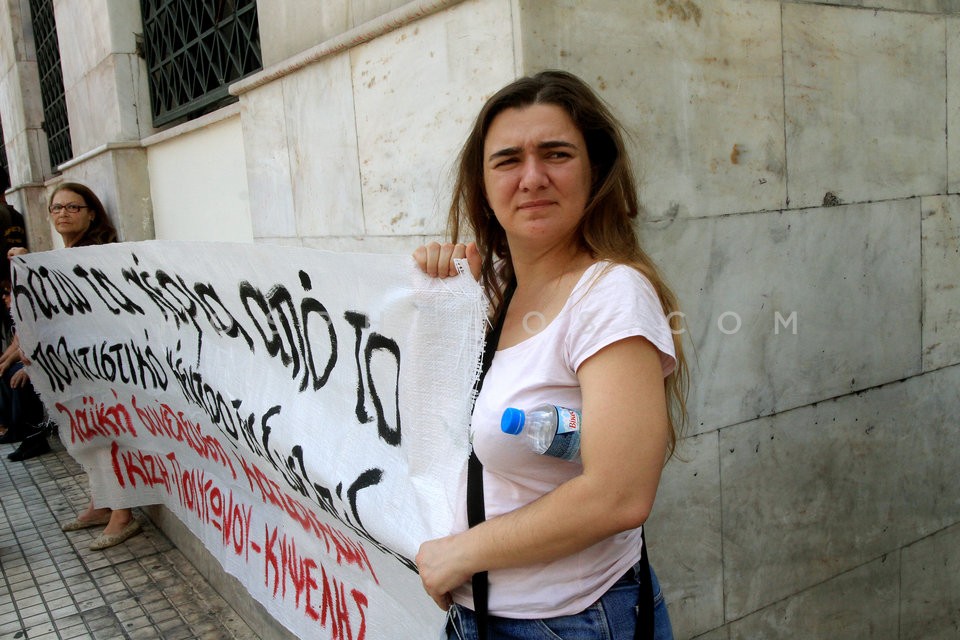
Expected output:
{"points": [[55, 122], [194, 49]]}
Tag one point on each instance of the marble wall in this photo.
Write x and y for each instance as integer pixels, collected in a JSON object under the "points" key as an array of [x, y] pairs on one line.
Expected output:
{"points": [[876, 78], [305, 23], [953, 105], [941, 272], [785, 308], [20, 104], [100, 67], [181, 171], [366, 155], [700, 91]]}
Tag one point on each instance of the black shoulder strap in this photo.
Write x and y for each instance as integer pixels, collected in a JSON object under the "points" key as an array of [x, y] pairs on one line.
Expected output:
{"points": [[481, 588], [645, 626], [475, 508], [493, 338]]}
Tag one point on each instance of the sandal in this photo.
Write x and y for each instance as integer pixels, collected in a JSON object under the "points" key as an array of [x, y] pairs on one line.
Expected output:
{"points": [[77, 524], [105, 541]]}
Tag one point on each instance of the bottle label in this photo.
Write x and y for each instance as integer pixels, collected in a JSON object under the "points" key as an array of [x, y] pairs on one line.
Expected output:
{"points": [[566, 444], [567, 420]]}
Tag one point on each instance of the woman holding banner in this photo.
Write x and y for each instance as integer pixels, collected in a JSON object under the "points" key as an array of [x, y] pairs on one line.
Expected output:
{"points": [[80, 218], [546, 189]]}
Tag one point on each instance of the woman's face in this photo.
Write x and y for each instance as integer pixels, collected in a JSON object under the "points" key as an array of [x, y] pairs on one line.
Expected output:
{"points": [[71, 225], [536, 174]]}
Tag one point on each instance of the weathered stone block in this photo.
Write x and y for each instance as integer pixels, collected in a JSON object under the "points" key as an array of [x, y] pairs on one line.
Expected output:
{"points": [[264, 125], [953, 102], [322, 145], [683, 533], [100, 67], [114, 84], [189, 164], [941, 281], [722, 633], [929, 6], [84, 35], [289, 27], [401, 245], [698, 84], [811, 493], [408, 139], [861, 604], [930, 587], [790, 308], [864, 104]]}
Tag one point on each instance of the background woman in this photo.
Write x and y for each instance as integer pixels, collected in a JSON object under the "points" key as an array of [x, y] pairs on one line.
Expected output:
{"points": [[545, 187], [81, 220]]}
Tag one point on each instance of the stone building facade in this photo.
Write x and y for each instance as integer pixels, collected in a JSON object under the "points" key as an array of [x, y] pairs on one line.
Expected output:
{"points": [[800, 168]]}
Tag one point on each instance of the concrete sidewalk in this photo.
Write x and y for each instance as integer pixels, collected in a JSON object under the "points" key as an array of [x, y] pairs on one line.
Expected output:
{"points": [[53, 587]]}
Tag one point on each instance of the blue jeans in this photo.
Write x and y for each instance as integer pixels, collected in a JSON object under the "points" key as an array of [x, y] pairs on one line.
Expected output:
{"points": [[612, 617]]}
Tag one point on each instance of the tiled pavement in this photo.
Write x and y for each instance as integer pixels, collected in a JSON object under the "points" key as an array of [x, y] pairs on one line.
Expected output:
{"points": [[54, 588]]}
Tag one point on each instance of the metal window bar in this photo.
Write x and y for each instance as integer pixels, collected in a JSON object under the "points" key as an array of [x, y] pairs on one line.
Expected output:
{"points": [[194, 49], [55, 122]]}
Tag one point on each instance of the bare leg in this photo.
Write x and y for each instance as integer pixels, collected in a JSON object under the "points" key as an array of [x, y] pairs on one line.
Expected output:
{"points": [[122, 525], [92, 513], [89, 517], [119, 519]]}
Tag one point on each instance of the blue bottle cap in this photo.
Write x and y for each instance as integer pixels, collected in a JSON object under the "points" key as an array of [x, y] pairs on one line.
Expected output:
{"points": [[512, 421]]}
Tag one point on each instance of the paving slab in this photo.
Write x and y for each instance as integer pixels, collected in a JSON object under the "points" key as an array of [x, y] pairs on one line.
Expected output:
{"points": [[52, 586]]}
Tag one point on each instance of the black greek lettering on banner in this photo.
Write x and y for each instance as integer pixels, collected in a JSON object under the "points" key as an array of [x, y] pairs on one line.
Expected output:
{"points": [[293, 347], [375, 343], [103, 286], [128, 362], [47, 292]]}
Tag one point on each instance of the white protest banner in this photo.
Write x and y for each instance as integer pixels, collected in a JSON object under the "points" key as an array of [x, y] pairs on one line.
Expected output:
{"points": [[304, 413]]}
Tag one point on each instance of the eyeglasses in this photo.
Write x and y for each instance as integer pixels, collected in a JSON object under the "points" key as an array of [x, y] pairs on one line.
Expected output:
{"points": [[73, 207]]}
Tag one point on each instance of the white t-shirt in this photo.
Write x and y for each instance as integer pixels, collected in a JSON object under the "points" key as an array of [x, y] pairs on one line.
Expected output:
{"points": [[606, 305]]}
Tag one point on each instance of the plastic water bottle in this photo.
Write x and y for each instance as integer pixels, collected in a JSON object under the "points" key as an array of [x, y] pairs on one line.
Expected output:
{"points": [[550, 430]]}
